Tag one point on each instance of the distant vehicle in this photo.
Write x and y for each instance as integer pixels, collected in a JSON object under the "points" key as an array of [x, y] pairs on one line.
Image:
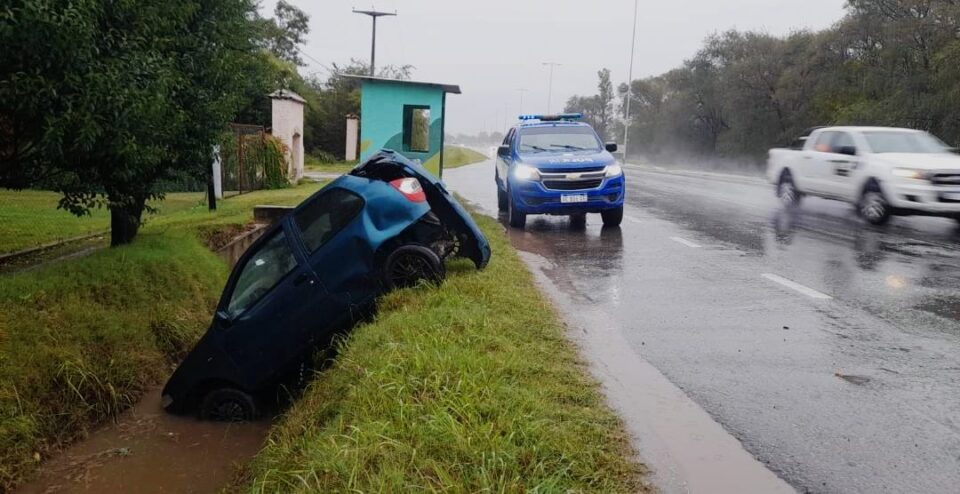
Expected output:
{"points": [[552, 164], [388, 223], [883, 171]]}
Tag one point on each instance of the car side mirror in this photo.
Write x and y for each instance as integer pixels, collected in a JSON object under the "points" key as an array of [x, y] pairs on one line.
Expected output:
{"points": [[503, 150], [612, 147], [848, 150]]}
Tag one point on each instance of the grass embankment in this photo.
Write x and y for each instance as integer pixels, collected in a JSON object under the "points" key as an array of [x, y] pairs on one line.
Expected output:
{"points": [[471, 387], [81, 340], [454, 157], [30, 218], [314, 164]]}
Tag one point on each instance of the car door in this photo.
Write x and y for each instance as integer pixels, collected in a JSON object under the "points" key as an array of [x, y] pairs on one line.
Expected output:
{"points": [[840, 165], [329, 229], [815, 164], [270, 298]]}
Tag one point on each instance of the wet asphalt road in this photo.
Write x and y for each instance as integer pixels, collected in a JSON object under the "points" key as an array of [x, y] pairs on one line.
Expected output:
{"points": [[829, 348]]}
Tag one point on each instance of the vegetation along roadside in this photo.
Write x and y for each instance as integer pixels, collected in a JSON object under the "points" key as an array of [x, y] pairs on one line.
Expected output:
{"points": [[468, 387], [81, 340]]}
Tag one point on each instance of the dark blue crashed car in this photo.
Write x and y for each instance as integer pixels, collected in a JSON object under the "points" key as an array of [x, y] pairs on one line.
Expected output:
{"points": [[388, 223]]}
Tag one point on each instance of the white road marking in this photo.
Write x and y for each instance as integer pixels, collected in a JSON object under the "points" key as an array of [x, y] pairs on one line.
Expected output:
{"points": [[686, 242], [810, 292]]}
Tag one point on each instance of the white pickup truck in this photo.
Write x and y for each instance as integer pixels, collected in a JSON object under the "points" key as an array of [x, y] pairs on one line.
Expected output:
{"points": [[883, 171]]}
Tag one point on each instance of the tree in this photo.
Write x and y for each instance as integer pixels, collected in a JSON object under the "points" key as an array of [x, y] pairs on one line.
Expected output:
{"points": [[103, 100], [330, 101], [286, 32], [604, 104], [597, 110]]}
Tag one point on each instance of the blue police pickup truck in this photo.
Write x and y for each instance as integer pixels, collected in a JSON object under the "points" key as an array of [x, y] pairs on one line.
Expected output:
{"points": [[553, 164]]}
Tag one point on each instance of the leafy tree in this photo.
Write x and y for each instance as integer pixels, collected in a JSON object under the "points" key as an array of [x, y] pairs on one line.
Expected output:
{"points": [[887, 62], [331, 100], [597, 110], [102, 100], [286, 32], [604, 104]]}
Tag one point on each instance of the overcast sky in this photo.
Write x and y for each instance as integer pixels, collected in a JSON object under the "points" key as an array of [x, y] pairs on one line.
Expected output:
{"points": [[492, 48]]}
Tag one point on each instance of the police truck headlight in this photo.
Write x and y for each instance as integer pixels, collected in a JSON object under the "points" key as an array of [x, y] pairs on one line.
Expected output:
{"points": [[525, 172], [613, 170]]}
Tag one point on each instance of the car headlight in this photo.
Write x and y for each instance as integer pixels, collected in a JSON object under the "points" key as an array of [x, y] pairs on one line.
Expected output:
{"points": [[910, 173], [525, 172], [613, 170]]}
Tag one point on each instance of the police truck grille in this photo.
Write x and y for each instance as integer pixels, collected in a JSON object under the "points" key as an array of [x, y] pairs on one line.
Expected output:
{"points": [[572, 184]]}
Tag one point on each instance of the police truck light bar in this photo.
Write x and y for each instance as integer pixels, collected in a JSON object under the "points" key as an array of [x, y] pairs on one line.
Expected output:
{"points": [[553, 118]]}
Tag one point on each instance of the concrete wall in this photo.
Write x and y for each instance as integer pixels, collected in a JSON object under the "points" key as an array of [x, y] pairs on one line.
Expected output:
{"points": [[381, 112], [288, 127]]}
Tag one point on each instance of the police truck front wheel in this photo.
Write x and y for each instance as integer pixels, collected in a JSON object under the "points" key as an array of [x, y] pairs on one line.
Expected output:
{"points": [[517, 218], [612, 217]]}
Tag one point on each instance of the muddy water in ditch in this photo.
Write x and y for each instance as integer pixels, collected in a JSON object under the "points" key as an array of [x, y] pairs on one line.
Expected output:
{"points": [[150, 451]]}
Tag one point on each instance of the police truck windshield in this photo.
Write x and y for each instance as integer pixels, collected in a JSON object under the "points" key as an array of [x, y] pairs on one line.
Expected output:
{"points": [[558, 139]]}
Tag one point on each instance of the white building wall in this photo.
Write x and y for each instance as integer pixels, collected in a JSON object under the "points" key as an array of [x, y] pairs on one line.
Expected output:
{"points": [[287, 116]]}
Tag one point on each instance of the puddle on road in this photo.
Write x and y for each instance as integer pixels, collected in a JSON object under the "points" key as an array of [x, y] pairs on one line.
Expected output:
{"points": [[151, 451]]}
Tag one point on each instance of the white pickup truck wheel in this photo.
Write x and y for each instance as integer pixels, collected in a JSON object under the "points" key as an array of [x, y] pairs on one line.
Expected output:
{"points": [[787, 191], [873, 206]]}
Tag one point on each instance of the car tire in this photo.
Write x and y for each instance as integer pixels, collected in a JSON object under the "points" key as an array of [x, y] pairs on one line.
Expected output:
{"points": [[873, 206], [409, 265], [612, 217], [787, 191], [501, 200], [228, 405], [578, 220], [518, 219]]}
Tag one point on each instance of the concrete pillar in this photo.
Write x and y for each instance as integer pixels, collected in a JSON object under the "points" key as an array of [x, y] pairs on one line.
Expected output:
{"points": [[217, 173], [353, 129]]}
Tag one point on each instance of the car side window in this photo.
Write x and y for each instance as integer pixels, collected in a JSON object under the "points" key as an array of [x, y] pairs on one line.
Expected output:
{"points": [[842, 140], [823, 142], [323, 217], [508, 140], [261, 272]]}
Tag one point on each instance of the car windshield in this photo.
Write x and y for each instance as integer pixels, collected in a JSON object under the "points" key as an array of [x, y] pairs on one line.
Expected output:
{"points": [[904, 142], [558, 139]]}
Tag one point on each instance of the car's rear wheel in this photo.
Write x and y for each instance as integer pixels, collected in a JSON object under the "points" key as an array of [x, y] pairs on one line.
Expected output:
{"points": [[410, 265], [228, 405], [518, 219], [873, 205], [612, 217], [787, 191], [501, 199]]}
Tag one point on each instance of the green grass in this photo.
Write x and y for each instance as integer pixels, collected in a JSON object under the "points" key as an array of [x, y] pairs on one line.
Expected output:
{"points": [[30, 218], [472, 387], [454, 157], [81, 340], [313, 164]]}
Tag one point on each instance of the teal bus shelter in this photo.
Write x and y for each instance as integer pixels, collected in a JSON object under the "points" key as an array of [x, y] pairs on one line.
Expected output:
{"points": [[405, 116]]}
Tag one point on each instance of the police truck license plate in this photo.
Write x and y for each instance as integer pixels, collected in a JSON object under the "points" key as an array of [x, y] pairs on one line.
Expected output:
{"points": [[570, 198]]}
